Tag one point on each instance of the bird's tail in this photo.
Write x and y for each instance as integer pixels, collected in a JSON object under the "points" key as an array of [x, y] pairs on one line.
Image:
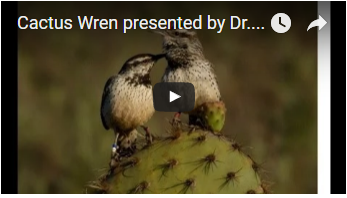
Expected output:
{"points": [[195, 120]]}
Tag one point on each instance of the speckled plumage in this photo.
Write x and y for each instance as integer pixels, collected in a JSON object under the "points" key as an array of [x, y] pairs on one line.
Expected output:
{"points": [[198, 71], [187, 63], [127, 101], [126, 106]]}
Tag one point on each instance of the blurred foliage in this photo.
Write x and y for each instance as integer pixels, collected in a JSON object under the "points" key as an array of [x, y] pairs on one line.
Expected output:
{"points": [[268, 82]]}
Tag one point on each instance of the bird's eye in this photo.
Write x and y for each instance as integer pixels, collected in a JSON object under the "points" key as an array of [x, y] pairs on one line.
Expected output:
{"points": [[176, 33]]}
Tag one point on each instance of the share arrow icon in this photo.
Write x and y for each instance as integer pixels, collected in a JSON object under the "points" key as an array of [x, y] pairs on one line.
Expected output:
{"points": [[320, 22]]}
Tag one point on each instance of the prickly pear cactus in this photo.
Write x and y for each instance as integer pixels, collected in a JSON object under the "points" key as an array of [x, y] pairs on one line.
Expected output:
{"points": [[184, 162], [213, 115]]}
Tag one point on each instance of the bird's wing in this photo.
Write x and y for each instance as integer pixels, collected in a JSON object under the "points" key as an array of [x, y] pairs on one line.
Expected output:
{"points": [[212, 68], [106, 92]]}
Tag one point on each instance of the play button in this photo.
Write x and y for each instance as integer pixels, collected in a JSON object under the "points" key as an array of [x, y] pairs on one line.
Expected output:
{"points": [[173, 97]]}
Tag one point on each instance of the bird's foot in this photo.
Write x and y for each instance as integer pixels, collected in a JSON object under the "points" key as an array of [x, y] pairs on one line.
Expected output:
{"points": [[113, 163], [149, 137], [196, 123]]}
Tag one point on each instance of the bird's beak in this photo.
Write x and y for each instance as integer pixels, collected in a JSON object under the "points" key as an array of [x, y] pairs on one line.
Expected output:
{"points": [[158, 31], [159, 56]]}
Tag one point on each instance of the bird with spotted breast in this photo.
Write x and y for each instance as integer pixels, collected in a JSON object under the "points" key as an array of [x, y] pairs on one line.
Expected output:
{"points": [[186, 63], [127, 103]]}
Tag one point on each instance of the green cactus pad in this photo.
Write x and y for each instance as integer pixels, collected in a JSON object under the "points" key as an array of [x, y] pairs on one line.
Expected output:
{"points": [[186, 162], [213, 114]]}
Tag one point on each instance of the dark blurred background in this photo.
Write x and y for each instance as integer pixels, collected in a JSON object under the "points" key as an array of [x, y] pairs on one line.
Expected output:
{"points": [[268, 81]]}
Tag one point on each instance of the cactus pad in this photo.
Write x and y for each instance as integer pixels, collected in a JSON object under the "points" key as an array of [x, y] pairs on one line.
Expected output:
{"points": [[213, 115], [184, 162]]}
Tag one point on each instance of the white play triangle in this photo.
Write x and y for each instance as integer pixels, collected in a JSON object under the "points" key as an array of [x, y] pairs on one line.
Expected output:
{"points": [[173, 96]]}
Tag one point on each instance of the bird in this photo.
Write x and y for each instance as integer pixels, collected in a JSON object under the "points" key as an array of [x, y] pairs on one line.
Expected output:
{"points": [[127, 102], [186, 63]]}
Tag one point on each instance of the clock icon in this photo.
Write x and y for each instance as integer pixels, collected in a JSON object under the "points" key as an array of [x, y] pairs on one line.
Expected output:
{"points": [[281, 23]]}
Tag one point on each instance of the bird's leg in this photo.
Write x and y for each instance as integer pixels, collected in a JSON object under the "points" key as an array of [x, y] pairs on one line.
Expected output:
{"points": [[115, 145], [176, 119], [177, 115], [149, 137], [114, 153], [131, 148]]}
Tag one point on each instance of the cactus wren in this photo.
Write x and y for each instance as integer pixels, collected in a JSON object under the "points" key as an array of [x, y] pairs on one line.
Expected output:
{"points": [[127, 101], [187, 63]]}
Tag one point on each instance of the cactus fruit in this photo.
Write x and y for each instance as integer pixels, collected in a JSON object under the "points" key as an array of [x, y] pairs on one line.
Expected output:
{"points": [[198, 162], [213, 115]]}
